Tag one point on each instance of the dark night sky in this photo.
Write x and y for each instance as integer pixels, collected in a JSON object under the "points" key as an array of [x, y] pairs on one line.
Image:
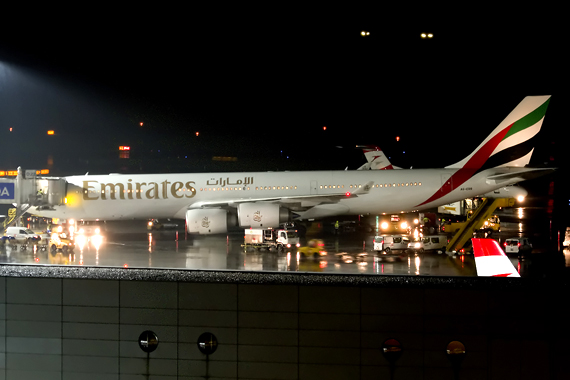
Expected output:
{"points": [[258, 81]]}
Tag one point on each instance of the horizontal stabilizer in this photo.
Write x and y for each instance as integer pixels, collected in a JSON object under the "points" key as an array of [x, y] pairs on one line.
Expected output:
{"points": [[520, 174]]}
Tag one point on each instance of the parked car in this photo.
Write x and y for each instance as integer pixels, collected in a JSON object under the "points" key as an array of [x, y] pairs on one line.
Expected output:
{"points": [[517, 245]]}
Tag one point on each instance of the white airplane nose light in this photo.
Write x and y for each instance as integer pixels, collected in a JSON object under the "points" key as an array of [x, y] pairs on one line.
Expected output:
{"points": [[520, 198]]}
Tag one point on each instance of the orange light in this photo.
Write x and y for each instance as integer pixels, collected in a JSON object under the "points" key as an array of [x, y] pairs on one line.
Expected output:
{"points": [[397, 138], [50, 132], [10, 129], [2, 173], [123, 147], [12, 173], [324, 128], [44, 171], [141, 123], [197, 133]]}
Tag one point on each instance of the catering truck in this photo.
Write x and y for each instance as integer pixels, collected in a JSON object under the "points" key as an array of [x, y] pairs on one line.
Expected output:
{"points": [[268, 238]]}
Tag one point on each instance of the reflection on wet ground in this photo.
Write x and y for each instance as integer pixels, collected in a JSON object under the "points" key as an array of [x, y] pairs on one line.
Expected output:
{"points": [[127, 244]]}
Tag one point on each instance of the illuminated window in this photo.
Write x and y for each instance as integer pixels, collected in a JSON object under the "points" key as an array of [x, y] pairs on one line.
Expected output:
{"points": [[419, 183]]}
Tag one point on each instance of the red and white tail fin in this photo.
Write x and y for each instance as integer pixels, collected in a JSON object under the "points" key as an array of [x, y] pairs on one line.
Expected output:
{"points": [[376, 159], [490, 259]]}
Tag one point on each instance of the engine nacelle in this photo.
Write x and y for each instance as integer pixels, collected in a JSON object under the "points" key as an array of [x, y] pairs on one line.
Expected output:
{"points": [[261, 214], [207, 221]]}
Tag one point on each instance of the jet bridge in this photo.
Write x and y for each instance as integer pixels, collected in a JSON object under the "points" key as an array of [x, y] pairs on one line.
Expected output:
{"points": [[25, 191], [475, 222]]}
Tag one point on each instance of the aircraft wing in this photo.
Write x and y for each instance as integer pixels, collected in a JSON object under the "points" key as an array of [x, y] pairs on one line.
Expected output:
{"points": [[293, 202], [521, 174], [490, 259]]}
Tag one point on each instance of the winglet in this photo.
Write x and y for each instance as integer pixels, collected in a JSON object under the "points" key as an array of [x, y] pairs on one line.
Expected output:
{"points": [[490, 259]]}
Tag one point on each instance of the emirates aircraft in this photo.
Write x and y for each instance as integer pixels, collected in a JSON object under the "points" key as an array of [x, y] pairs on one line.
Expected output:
{"points": [[212, 202]]}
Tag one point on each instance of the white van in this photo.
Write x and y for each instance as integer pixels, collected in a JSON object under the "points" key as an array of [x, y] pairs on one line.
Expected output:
{"points": [[516, 245], [21, 233], [429, 243], [391, 243]]}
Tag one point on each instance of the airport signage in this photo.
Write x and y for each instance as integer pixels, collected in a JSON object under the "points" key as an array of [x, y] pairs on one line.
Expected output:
{"points": [[7, 190]]}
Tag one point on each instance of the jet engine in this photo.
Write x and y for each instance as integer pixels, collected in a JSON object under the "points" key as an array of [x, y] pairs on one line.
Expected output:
{"points": [[261, 214], [208, 221]]}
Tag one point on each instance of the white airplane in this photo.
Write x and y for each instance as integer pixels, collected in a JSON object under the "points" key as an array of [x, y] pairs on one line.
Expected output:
{"points": [[490, 259], [210, 202]]}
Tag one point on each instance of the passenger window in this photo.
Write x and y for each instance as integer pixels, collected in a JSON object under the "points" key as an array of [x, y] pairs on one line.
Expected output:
{"points": [[397, 240]]}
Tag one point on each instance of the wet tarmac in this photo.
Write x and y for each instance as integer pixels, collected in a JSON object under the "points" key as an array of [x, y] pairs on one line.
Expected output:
{"points": [[129, 244]]}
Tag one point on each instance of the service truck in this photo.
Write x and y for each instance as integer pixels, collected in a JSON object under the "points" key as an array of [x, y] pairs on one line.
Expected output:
{"points": [[269, 238]]}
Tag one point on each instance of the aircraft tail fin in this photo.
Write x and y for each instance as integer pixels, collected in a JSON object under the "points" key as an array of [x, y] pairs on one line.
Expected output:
{"points": [[490, 259], [376, 159], [510, 144]]}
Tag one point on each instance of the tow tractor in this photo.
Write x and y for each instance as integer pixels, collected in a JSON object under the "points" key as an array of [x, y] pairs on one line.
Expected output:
{"points": [[60, 241], [268, 238]]}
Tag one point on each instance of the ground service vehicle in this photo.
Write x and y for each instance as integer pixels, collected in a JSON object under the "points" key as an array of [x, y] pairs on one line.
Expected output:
{"points": [[391, 243], [428, 243], [156, 225], [60, 241], [493, 224], [391, 248], [314, 248], [21, 233], [268, 238], [517, 245]]}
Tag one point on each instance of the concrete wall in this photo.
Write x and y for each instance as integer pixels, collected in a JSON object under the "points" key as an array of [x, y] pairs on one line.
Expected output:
{"points": [[84, 323]]}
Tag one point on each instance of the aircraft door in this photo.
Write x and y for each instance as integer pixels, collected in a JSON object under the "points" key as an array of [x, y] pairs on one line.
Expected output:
{"points": [[314, 188]]}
